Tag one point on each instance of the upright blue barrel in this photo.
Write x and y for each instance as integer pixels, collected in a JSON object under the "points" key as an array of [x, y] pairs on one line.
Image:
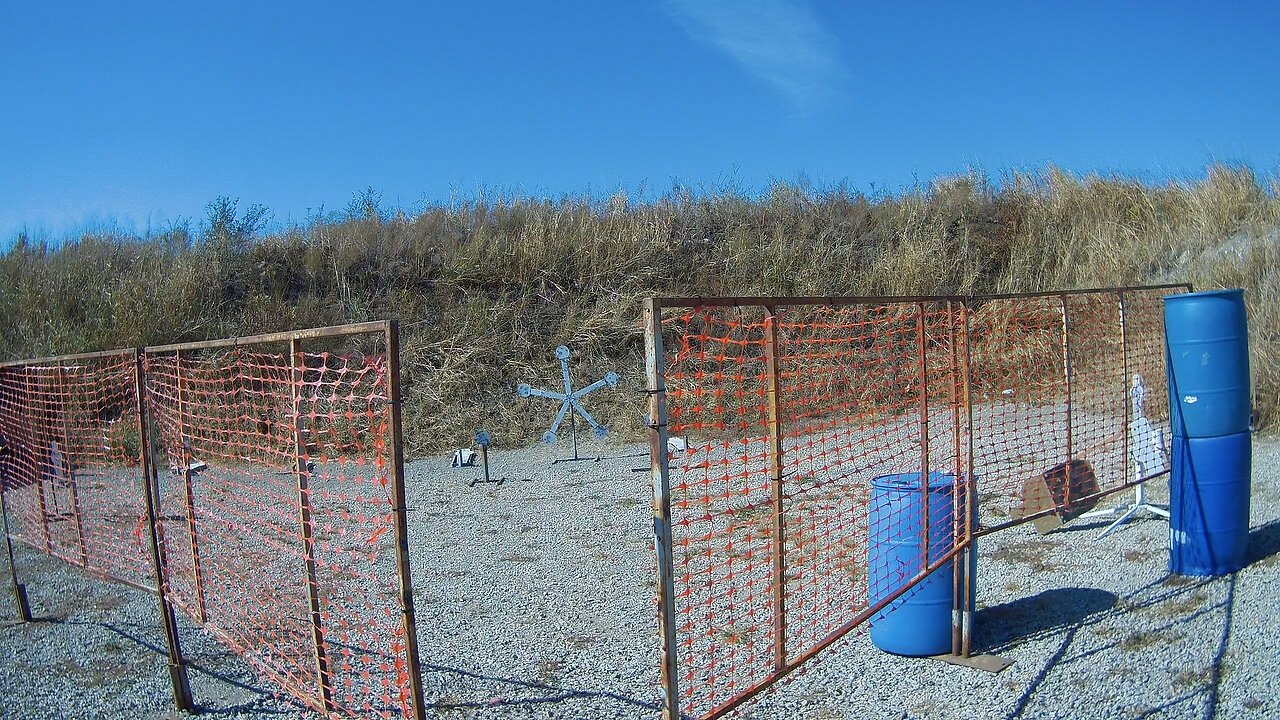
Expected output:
{"points": [[919, 622], [1209, 504], [1208, 344]]}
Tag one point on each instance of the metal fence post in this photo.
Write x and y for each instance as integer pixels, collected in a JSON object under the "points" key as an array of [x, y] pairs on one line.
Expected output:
{"points": [[924, 438], [957, 578], [773, 376], [19, 590], [1066, 378], [185, 458], [408, 618], [304, 519], [151, 490], [69, 466], [969, 507], [655, 373], [1124, 384]]}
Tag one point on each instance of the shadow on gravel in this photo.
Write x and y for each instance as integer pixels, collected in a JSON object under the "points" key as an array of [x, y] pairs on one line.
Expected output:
{"points": [[1264, 542], [206, 709], [124, 634], [1088, 526], [1001, 626], [1211, 689], [1178, 598], [508, 692]]}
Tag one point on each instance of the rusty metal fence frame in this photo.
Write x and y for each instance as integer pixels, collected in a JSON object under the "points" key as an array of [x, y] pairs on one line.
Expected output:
{"points": [[1124, 317], [969, 480], [22, 436], [969, 475], [406, 664], [34, 441]]}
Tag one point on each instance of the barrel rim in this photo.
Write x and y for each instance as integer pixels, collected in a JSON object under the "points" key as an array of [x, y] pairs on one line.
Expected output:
{"points": [[1229, 292], [910, 481]]}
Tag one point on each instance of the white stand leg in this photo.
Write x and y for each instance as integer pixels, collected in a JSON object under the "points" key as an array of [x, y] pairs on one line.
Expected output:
{"points": [[1146, 455], [1139, 504]]}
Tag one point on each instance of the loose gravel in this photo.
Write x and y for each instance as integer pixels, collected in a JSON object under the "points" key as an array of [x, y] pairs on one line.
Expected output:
{"points": [[535, 600]]}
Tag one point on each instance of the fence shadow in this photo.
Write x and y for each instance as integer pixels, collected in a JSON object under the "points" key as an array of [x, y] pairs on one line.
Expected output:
{"points": [[210, 707], [509, 692], [1212, 688], [1168, 590]]}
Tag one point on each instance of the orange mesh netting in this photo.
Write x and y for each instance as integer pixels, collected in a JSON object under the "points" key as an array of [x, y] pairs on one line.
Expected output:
{"points": [[814, 421], [277, 500], [1054, 380], [279, 491], [789, 415], [69, 462]]}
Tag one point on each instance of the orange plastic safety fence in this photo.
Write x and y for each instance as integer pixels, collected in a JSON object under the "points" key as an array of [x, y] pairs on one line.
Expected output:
{"points": [[69, 463], [792, 416], [807, 428], [278, 514], [1073, 378]]}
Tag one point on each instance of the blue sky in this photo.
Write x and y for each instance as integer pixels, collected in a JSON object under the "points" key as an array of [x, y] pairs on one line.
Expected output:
{"points": [[139, 113]]}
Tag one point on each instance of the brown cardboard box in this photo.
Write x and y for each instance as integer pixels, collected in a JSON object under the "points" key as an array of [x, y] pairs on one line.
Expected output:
{"points": [[1069, 489]]}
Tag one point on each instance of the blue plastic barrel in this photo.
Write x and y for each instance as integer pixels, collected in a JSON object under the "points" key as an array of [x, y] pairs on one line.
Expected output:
{"points": [[1209, 504], [919, 622], [1208, 343]]}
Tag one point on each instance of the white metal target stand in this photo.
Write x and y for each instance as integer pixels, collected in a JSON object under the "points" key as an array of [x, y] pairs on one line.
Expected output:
{"points": [[1146, 457]]}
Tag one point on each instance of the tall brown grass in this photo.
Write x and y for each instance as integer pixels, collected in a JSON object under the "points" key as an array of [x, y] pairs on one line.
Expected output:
{"points": [[484, 289]]}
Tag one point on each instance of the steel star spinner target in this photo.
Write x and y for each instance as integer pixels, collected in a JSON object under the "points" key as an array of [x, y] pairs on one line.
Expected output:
{"points": [[570, 401]]}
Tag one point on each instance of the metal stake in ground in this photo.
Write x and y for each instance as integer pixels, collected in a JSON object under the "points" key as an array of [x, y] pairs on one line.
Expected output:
{"points": [[570, 399], [483, 441]]}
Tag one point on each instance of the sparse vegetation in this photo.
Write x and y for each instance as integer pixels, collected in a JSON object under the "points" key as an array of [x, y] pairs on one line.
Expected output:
{"points": [[484, 289], [1032, 553], [1142, 639], [1179, 607], [1136, 556], [1172, 580], [1193, 678]]}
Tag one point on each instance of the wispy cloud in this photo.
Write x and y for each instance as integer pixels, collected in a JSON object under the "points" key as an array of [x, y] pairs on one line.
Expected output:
{"points": [[780, 41]]}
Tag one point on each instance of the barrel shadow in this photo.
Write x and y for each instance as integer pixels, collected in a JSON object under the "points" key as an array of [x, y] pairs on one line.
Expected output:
{"points": [[1264, 543], [999, 627]]}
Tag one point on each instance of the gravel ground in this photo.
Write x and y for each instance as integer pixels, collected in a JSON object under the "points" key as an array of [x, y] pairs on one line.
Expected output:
{"points": [[534, 600]]}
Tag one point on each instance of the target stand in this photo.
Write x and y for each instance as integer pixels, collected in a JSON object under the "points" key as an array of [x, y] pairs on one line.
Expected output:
{"points": [[483, 440], [570, 404], [1146, 458]]}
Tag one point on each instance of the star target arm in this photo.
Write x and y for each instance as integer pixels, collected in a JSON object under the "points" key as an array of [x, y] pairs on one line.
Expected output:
{"points": [[610, 379], [549, 436], [562, 352], [526, 391], [599, 430]]}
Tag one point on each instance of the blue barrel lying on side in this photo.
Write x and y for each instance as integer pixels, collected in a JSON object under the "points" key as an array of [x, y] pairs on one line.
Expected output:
{"points": [[919, 622], [1209, 504], [1208, 343]]}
